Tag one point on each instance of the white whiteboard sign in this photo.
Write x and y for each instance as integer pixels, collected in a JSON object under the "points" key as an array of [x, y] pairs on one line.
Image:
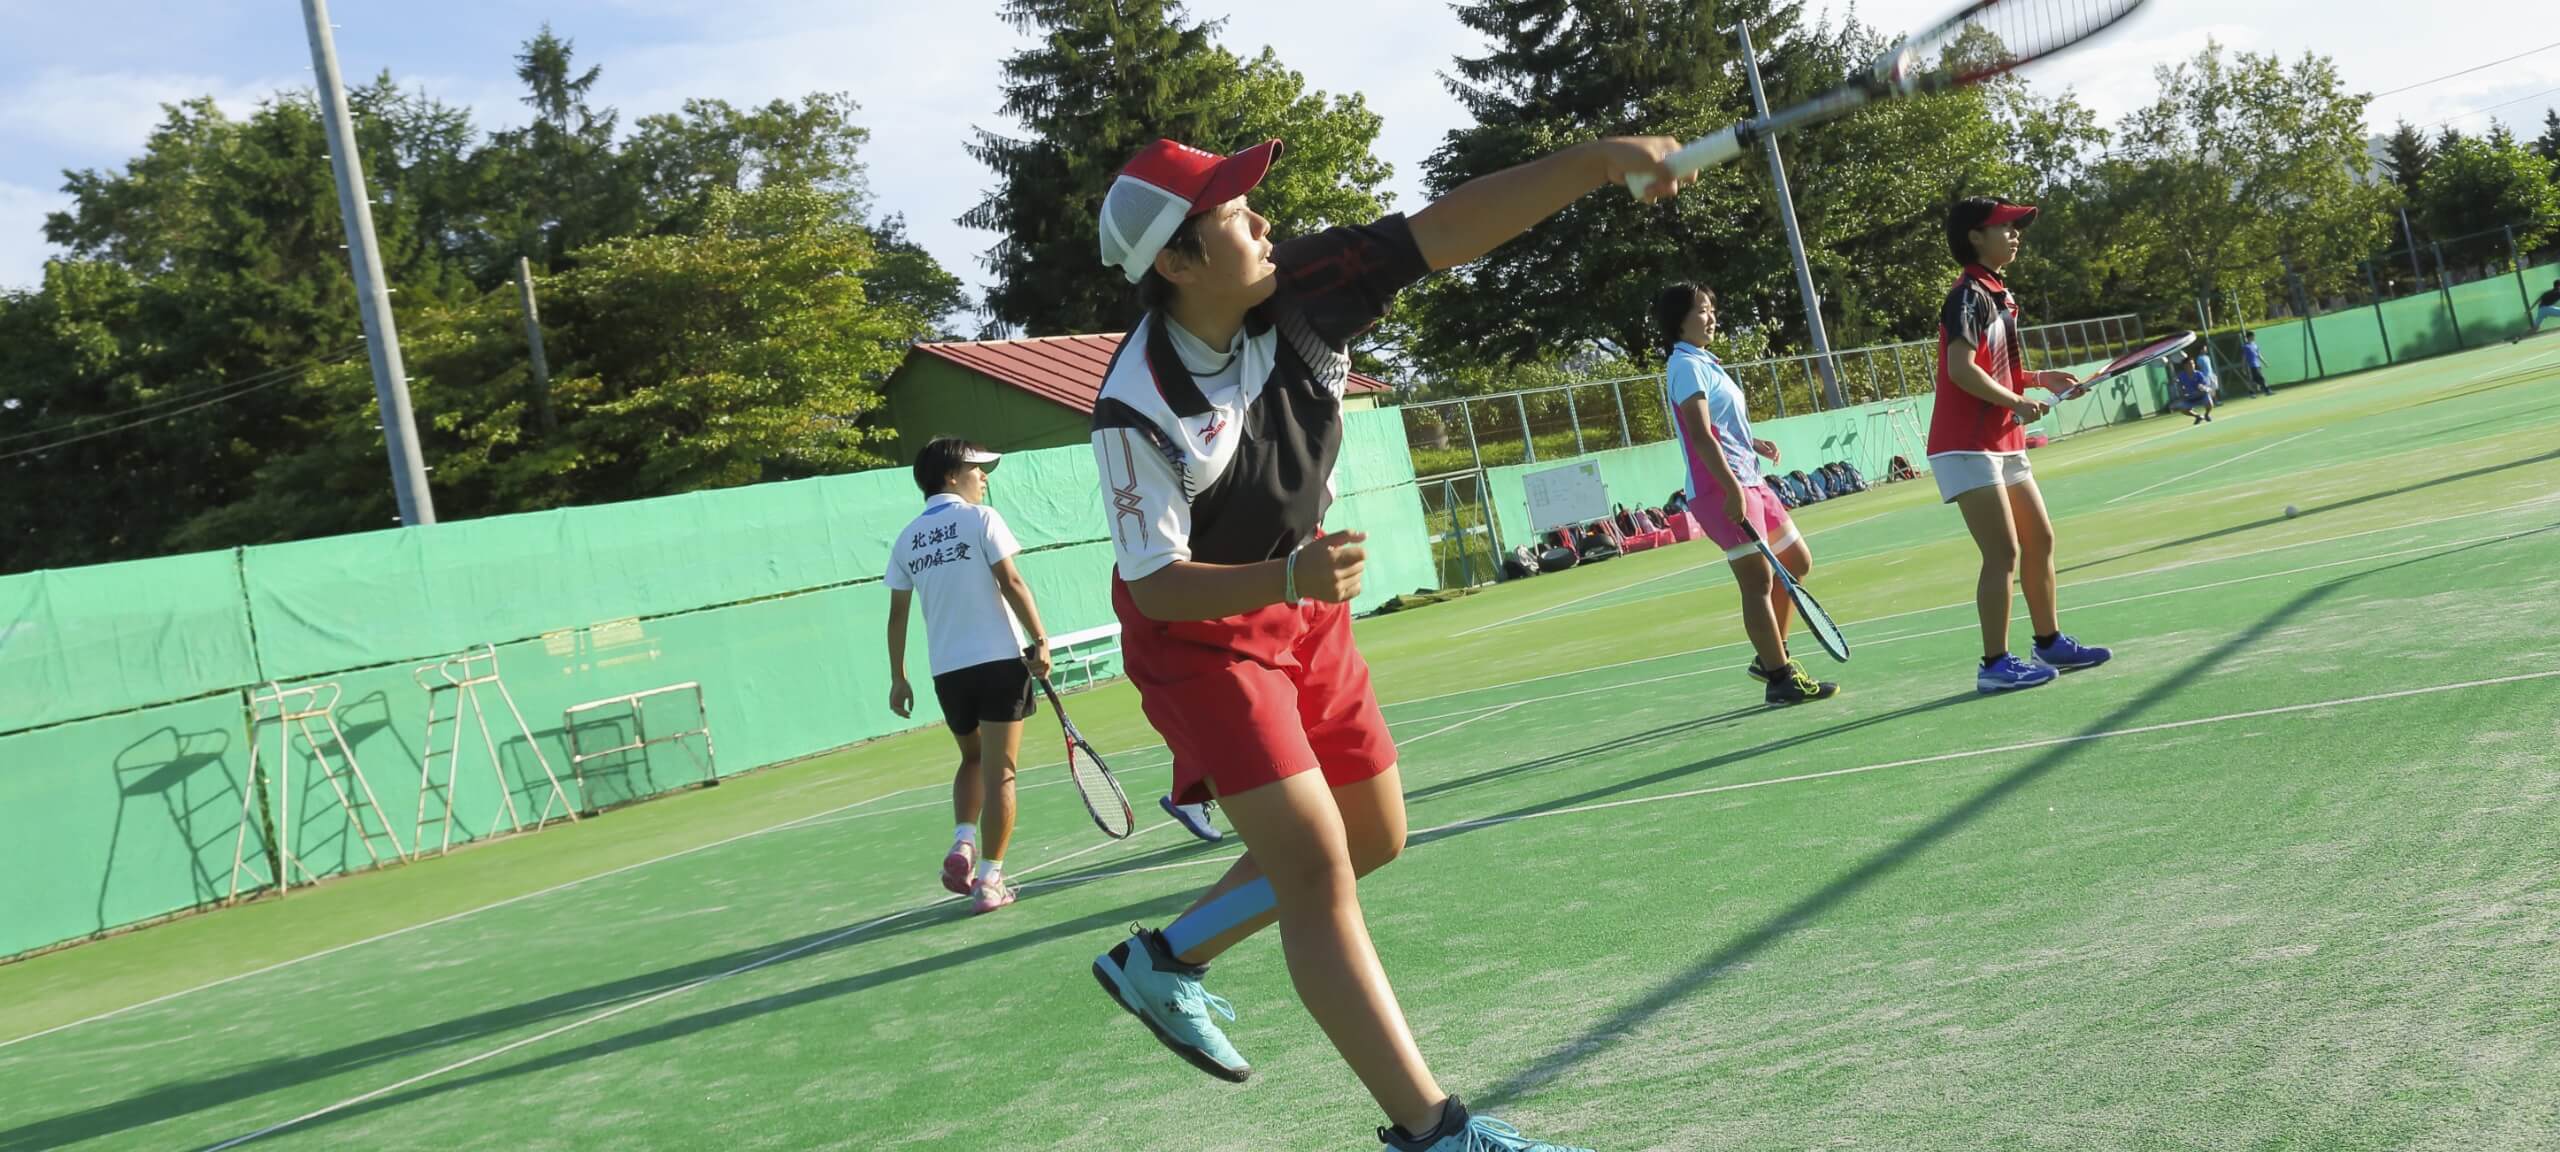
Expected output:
{"points": [[1572, 494]]}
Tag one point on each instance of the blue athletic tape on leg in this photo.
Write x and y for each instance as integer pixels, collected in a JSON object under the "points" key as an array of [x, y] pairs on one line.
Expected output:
{"points": [[1217, 917]]}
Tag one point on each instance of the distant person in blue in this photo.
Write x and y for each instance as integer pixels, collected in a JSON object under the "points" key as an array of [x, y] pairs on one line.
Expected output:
{"points": [[2255, 364], [2195, 391], [2545, 307]]}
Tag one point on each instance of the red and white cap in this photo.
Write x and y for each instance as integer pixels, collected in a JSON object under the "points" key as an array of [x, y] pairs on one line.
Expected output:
{"points": [[2005, 212], [1165, 184]]}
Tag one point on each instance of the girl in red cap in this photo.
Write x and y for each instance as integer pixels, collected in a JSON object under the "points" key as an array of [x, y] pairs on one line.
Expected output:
{"points": [[1216, 433], [1978, 446]]}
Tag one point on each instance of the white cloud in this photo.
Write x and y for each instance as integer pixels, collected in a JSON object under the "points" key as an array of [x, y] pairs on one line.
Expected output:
{"points": [[927, 74], [83, 116], [22, 245]]}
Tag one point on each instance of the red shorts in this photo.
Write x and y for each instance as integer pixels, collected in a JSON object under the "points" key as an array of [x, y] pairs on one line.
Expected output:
{"points": [[1254, 699]]}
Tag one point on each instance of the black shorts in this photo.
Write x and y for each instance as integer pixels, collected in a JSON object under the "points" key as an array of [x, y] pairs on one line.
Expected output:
{"points": [[996, 692]]}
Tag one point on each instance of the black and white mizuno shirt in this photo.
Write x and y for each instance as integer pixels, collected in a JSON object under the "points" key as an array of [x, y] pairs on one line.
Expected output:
{"points": [[1235, 466]]}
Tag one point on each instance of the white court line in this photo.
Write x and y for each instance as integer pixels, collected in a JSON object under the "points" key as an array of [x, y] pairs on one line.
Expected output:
{"points": [[2022, 746], [678, 990], [1485, 715], [1418, 842], [1562, 605], [1618, 687], [1475, 713], [818, 816], [1970, 625], [334, 950], [2110, 451], [2412, 551], [2155, 570], [2519, 366], [2212, 466]]}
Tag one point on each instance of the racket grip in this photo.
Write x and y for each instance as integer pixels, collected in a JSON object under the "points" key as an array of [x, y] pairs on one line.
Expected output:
{"points": [[1693, 158]]}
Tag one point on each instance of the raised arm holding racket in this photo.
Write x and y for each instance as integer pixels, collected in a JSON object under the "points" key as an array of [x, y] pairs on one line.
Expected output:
{"points": [[1946, 55]]}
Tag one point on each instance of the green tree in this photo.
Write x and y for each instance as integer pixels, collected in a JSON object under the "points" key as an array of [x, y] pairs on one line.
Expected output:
{"points": [[906, 276], [555, 185], [2547, 145], [1104, 80], [2404, 156], [191, 373], [679, 160], [2481, 184], [1559, 72], [213, 259], [1107, 79], [746, 350], [2241, 163]]}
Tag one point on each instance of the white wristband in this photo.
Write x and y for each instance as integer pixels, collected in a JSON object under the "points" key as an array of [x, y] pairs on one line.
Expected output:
{"points": [[1289, 582]]}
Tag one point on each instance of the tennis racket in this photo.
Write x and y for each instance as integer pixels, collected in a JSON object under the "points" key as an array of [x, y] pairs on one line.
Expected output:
{"points": [[1983, 40], [2139, 358], [1815, 618], [1094, 781]]}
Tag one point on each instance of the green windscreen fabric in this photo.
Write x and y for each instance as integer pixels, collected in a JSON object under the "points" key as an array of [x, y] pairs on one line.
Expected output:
{"points": [[1373, 455], [92, 641], [1048, 497], [352, 601], [111, 821]]}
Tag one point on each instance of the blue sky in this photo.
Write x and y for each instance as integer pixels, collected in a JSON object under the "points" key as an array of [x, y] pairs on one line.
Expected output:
{"points": [[81, 83]]}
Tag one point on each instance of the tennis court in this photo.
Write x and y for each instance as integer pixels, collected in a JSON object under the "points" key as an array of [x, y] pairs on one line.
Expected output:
{"points": [[2280, 875]]}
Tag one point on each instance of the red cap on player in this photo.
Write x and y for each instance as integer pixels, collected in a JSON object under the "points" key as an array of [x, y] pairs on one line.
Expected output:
{"points": [[2005, 212], [1165, 184]]}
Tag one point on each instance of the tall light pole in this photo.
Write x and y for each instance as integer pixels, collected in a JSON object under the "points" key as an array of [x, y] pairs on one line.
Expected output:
{"points": [[1831, 397], [373, 298]]}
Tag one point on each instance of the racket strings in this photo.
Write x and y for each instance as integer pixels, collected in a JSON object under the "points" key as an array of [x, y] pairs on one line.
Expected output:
{"points": [[1990, 38]]}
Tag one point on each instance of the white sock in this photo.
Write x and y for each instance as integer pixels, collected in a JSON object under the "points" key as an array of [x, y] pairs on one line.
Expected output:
{"points": [[964, 834], [987, 868]]}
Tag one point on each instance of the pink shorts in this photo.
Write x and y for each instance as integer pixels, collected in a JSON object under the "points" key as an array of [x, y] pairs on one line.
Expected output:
{"points": [[1761, 505]]}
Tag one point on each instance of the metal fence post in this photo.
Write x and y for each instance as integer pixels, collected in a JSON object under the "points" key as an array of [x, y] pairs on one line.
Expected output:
{"points": [[2515, 256], [2444, 288], [1528, 443], [2302, 306], [1626, 433], [2375, 286], [1474, 453], [1573, 415]]}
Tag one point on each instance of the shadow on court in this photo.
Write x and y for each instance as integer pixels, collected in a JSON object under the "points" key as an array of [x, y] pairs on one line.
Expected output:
{"points": [[179, 1099], [2317, 509], [1623, 1024], [1668, 775]]}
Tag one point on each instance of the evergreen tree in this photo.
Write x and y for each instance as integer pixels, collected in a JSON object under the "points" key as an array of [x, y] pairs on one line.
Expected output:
{"points": [[2404, 155], [1104, 80], [1559, 72]]}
